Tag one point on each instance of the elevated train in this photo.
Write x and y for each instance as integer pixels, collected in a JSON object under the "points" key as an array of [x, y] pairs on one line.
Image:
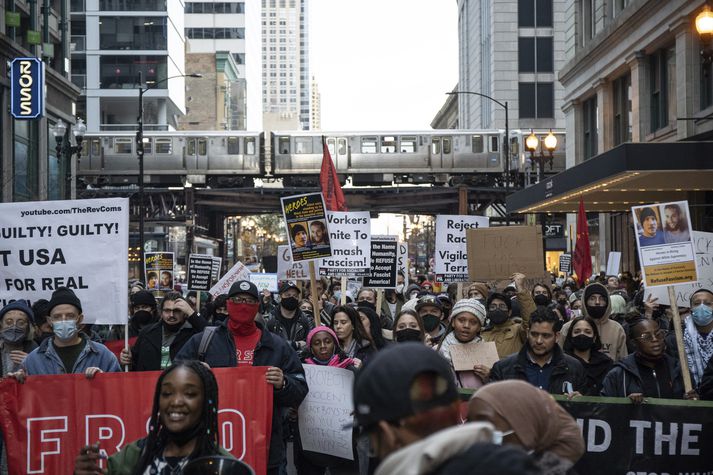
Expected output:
{"points": [[234, 158]]}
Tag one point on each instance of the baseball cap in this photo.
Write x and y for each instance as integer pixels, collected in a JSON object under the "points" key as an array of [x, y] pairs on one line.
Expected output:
{"points": [[428, 299], [400, 381], [243, 287], [287, 285]]}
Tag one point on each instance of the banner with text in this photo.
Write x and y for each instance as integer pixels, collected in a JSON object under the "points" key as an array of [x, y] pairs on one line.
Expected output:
{"points": [[237, 272], [288, 270], [79, 244], [306, 222], [264, 281], [384, 262], [350, 236], [451, 249], [566, 263], [200, 271], [44, 435], [325, 411]]}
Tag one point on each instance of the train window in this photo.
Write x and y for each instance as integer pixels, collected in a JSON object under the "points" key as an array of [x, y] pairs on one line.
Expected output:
{"points": [[368, 144], [148, 145], [446, 145], [191, 147], [164, 145], [233, 146], [408, 144], [331, 147], [494, 143], [95, 148], [303, 144], [202, 147], [249, 145], [477, 144], [283, 145], [342, 146], [436, 145], [122, 145], [388, 144]]}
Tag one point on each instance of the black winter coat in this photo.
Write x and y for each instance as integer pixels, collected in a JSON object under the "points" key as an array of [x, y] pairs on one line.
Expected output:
{"points": [[595, 370], [271, 350], [146, 352], [706, 387], [625, 379], [298, 333], [565, 369]]}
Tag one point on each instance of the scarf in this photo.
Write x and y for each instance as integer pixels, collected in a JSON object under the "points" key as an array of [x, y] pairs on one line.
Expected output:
{"points": [[333, 361], [699, 350]]}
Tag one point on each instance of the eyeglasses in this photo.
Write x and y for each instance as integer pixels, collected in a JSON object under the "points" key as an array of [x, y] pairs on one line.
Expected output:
{"points": [[502, 306], [16, 323], [243, 300], [659, 335]]}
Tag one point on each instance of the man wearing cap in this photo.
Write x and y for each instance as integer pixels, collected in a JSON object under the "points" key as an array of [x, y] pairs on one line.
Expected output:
{"points": [[651, 234], [430, 310], [406, 401], [15, 335], [241, 340], [288, 321], [69, 350], [159, 342]]}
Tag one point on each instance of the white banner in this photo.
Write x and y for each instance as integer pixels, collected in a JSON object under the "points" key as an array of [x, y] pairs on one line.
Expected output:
{"points": [[237, 272], [287, 270], [264, 281], [81, 244], [325, 411], [350, 236], [613, 263], [451, 250]]}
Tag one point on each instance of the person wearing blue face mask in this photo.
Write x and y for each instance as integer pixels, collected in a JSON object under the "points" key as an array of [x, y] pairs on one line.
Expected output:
{"points": [[69, 350]]}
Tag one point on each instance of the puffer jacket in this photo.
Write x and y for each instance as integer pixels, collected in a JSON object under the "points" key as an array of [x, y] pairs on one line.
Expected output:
{"points": [[624, 378]]}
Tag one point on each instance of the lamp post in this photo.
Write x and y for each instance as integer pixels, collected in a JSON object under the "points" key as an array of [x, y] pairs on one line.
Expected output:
{"points": [[532, 144], [140, 148], [704, 26], [63, 146], [506, 147]]}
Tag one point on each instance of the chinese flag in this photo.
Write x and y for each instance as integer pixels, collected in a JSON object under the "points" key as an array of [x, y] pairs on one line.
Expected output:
{"points": [[582, 259], [328, 181]]}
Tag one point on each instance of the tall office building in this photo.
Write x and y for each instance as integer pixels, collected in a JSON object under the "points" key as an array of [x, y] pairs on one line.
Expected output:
{"points": [[316, 99], [285, 65], [118, 45]]}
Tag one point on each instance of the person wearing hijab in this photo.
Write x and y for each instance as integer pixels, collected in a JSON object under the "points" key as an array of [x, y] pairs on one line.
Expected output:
{"points": [[531, 418]]}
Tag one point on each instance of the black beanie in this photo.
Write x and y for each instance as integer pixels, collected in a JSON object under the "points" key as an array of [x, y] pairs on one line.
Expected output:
{"points": [[63, 295], [595, 288], [143, 297]]}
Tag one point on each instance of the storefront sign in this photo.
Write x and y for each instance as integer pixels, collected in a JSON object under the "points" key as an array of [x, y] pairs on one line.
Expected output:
{"points": [[27, 88]]}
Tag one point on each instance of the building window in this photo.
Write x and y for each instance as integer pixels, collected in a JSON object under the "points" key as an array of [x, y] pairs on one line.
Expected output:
{"points": [[589, 128], [662, 84], [215, 33], [535, 54], [25, 161], [131, 5], [622, 109], [534, 13], [129, 33], [588, 19], [122, 72], [536, 100], [706, 84]]}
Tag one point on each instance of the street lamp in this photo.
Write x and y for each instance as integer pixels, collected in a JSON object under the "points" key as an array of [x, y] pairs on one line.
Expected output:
{"points": [[140, 148], [506, 148], [532, 144], [63, 145], [704, 26]]}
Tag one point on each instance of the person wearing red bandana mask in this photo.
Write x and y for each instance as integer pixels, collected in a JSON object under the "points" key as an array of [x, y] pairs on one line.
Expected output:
{"points": [[241, 340]]}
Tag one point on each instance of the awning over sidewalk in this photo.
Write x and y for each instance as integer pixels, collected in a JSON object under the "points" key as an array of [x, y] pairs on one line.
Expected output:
{"points": [[628, 175]]}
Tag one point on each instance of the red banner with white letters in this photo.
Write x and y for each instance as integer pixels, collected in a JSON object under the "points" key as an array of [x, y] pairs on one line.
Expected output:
{"points": [[48, 419]]}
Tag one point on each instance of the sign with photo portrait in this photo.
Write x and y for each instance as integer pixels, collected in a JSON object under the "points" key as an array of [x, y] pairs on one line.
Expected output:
{"points": [[306, 222]]}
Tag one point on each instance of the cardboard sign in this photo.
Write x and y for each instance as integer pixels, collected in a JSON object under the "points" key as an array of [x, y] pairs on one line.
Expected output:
{"points": [[264, 281], [384, 257], [306, 222], [403, 262], [288, 270], [237, 272], [613, 263], [464, 357], [451, 259], [496, 253], [350, 238], [664, 242], [79, 244], [200, 271], [326, 410], [565, 263]]}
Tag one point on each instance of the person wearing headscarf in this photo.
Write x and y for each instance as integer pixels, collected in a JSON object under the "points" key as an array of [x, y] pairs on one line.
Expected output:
{"points": [[532, 419]]}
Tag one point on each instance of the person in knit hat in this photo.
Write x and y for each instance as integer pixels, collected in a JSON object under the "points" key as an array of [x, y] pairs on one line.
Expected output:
{"points": [[467, 319], [16, 335], [478, 291]]}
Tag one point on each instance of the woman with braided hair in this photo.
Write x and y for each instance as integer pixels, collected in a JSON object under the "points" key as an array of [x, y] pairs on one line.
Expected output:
{"points": [[183, 426]]}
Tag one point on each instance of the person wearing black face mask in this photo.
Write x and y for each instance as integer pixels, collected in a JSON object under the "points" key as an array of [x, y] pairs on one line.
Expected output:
{"points": [[408, 326], [15, 335], [582, 342], [430, 310], [288, 321], [508, 334], [542, 295]]}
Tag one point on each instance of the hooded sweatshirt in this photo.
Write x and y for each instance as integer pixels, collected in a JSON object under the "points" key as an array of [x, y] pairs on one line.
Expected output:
{"points": [[611, 333]]}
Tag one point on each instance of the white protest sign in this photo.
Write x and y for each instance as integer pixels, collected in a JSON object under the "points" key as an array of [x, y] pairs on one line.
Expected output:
{"points": [[451, 249], [703, 245], [79, 244], [264, 281], [402, 262], [217, 263], [350, 237], [325, 411], [613, 263], [237, 272], [287, 270]]}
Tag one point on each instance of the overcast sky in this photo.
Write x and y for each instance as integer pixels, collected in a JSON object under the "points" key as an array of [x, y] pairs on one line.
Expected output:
{"points": [[383, 64]]}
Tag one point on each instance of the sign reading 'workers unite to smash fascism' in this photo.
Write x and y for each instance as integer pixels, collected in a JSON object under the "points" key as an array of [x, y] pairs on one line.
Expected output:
{"points": [[80, 244], [306, 221], [350, 238], [451, 250]]}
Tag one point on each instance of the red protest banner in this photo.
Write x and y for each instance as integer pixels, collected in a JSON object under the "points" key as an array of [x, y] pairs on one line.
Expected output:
{"points": [[46, 420]]}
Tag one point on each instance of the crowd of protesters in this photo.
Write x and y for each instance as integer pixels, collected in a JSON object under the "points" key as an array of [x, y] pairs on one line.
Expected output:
{"points": [[607, 338]]}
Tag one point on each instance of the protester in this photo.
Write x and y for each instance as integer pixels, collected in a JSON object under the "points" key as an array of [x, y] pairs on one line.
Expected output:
{"points": [[468, 317], [368, 297], [353, 338], [541, 361], [43, 327], [541, 295], [509, 335], [649, 372], [242, 340], [530, 418], [267, 303], [408, 326], [392, 303], [411, 292], [142, 311], [612, 283], [159, 343], [69, 350], [406, 401], [372, 325], [218, 312], [583, 343], [430, 310], [288, 321], [705, 390], [597, 305], [183, 427], [477, 291], [16, 336], [427, 286]]}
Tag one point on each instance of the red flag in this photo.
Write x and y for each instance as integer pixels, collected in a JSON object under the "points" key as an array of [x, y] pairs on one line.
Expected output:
{"points": [[328, 181], [582, 259]]}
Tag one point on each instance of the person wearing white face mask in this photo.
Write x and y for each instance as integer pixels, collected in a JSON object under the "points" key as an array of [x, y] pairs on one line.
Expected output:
{"points": [[68, 351]]}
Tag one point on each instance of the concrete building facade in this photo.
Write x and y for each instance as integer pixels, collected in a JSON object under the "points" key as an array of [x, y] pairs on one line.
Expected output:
{"points": [[316, 99]]}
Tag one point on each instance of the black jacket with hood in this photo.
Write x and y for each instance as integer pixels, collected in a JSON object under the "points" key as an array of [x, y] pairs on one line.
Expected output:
{"points": [[625, 379], [146, 352], [297, 336]]}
